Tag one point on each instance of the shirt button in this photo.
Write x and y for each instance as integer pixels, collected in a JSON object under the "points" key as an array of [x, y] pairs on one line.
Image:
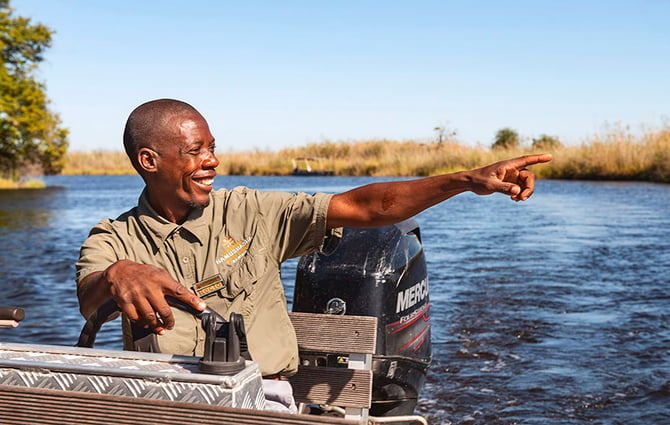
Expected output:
{"points": [[185, 260]]}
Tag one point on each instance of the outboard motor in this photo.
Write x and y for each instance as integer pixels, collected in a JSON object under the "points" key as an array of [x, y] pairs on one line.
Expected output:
{"points": [[377, 272]]}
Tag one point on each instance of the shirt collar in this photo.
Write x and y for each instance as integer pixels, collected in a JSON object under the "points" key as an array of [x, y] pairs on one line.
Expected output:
{"points": [[161, 228]]}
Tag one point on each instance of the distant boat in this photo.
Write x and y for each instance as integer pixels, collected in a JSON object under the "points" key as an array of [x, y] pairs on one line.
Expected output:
{"points": [[304, 166]]}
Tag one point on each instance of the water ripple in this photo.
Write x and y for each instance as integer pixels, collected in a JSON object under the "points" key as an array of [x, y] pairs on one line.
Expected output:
{"points": [[554, 311]]}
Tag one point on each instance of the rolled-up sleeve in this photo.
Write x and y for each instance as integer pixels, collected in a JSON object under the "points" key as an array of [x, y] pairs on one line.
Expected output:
{"points": [[98, 251], [298, 222]]}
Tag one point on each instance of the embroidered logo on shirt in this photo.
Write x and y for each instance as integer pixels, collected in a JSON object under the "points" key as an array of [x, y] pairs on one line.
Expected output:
{"points": [[232, 250]]}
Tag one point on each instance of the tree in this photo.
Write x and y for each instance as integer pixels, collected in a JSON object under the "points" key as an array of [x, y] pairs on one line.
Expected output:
{"points": [[547, 142], [444, 133], [30, 133], [506, 138]]}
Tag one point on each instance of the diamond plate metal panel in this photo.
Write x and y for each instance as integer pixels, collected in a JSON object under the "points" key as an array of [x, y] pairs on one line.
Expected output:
{"points": [[144, 375]]}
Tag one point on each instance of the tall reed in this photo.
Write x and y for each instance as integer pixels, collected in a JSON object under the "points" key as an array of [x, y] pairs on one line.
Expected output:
{"points": [[615, 155], [97, 162]]}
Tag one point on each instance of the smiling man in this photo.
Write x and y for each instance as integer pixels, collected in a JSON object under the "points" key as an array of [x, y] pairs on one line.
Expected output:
{"points": [[181, 232]]}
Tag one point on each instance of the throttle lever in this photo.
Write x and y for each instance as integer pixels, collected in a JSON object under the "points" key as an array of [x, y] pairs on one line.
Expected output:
{"points": [[225, 342]]}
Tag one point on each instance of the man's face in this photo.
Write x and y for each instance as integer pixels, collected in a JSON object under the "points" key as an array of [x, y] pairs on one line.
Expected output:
{"points": [[186, 168]]}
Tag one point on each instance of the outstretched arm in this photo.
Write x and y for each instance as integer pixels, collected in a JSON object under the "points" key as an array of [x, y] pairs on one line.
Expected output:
{"points": [[379, 204], [139, 290]]}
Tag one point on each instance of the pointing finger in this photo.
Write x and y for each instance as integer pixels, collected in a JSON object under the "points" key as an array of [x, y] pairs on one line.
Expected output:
{"points": [[527, 160]]}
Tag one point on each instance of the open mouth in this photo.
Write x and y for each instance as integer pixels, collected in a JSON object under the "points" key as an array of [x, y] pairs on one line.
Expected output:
{"points": [[206, 182]]}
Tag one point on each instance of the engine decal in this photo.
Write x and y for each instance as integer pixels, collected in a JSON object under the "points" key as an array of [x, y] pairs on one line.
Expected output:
{"points": [[409, 319], [419, 340], [412, 296]]}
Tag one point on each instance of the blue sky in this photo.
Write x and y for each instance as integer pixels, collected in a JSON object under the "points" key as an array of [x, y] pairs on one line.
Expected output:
{"points": [[273, 74]]}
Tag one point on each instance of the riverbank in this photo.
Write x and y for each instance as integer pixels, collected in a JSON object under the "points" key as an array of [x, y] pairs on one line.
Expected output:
{"points": [[618, 155], [23, 184]]}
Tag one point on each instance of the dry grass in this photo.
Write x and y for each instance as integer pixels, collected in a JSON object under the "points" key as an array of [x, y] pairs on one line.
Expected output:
{"points": [[97, 162], [391, 158], [616, 155]]}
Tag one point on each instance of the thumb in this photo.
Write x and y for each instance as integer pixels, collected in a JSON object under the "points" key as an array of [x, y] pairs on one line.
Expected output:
{"points": [[183, 294], [505, 188]]}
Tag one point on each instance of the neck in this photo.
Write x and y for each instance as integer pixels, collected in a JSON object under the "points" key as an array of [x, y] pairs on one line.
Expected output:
{"points": [[174, 213]]}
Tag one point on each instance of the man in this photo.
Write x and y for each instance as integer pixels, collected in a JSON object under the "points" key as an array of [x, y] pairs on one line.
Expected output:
{"points": [[182, 232]]}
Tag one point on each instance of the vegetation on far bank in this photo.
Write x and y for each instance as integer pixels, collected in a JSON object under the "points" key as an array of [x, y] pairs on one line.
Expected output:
{"points": [[33, 140], [31, 134], [617, 155], [31, 183]]}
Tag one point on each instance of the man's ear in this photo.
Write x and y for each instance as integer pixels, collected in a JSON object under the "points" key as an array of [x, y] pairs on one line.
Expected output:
{"points": [[148, 159]]}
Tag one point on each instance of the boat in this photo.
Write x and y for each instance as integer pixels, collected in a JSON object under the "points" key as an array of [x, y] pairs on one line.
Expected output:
{"points": [[363, 331], [305, 166]]}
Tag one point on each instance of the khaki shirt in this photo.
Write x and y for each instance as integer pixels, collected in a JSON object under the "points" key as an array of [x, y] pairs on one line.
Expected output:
{"points": [[244, 235]]}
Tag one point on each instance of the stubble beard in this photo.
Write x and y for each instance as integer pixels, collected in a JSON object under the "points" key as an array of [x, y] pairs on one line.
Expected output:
{"points": [[198, 205]]}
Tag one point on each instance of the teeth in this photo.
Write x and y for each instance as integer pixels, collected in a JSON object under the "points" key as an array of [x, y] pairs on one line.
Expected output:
{"points": [[207, 182]]}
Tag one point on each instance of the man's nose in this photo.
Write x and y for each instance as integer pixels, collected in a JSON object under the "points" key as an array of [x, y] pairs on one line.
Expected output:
{"points": [[210, 161]]}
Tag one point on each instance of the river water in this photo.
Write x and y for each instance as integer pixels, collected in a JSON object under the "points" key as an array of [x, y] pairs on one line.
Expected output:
{"points": [[552, 311]]}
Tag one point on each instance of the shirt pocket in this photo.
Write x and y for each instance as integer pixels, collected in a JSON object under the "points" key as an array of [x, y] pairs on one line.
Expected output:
{"points": [[242, 275]]}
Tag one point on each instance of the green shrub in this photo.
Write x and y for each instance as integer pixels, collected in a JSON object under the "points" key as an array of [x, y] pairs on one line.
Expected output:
{"points": [[506, 139]]}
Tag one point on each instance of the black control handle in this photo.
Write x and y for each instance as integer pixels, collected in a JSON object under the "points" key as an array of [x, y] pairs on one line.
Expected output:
{"points": [[110, 310], [225, 341], [12, 313]]}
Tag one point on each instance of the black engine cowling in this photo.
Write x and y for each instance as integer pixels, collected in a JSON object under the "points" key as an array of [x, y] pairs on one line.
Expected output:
{"points": [[378, 272]]}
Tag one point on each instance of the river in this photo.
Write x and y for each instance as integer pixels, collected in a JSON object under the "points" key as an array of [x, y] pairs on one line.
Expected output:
{"points": [[552, 311]]}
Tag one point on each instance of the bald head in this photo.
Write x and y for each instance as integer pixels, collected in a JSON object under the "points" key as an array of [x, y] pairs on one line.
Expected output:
{"points": [[149, 125]]}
